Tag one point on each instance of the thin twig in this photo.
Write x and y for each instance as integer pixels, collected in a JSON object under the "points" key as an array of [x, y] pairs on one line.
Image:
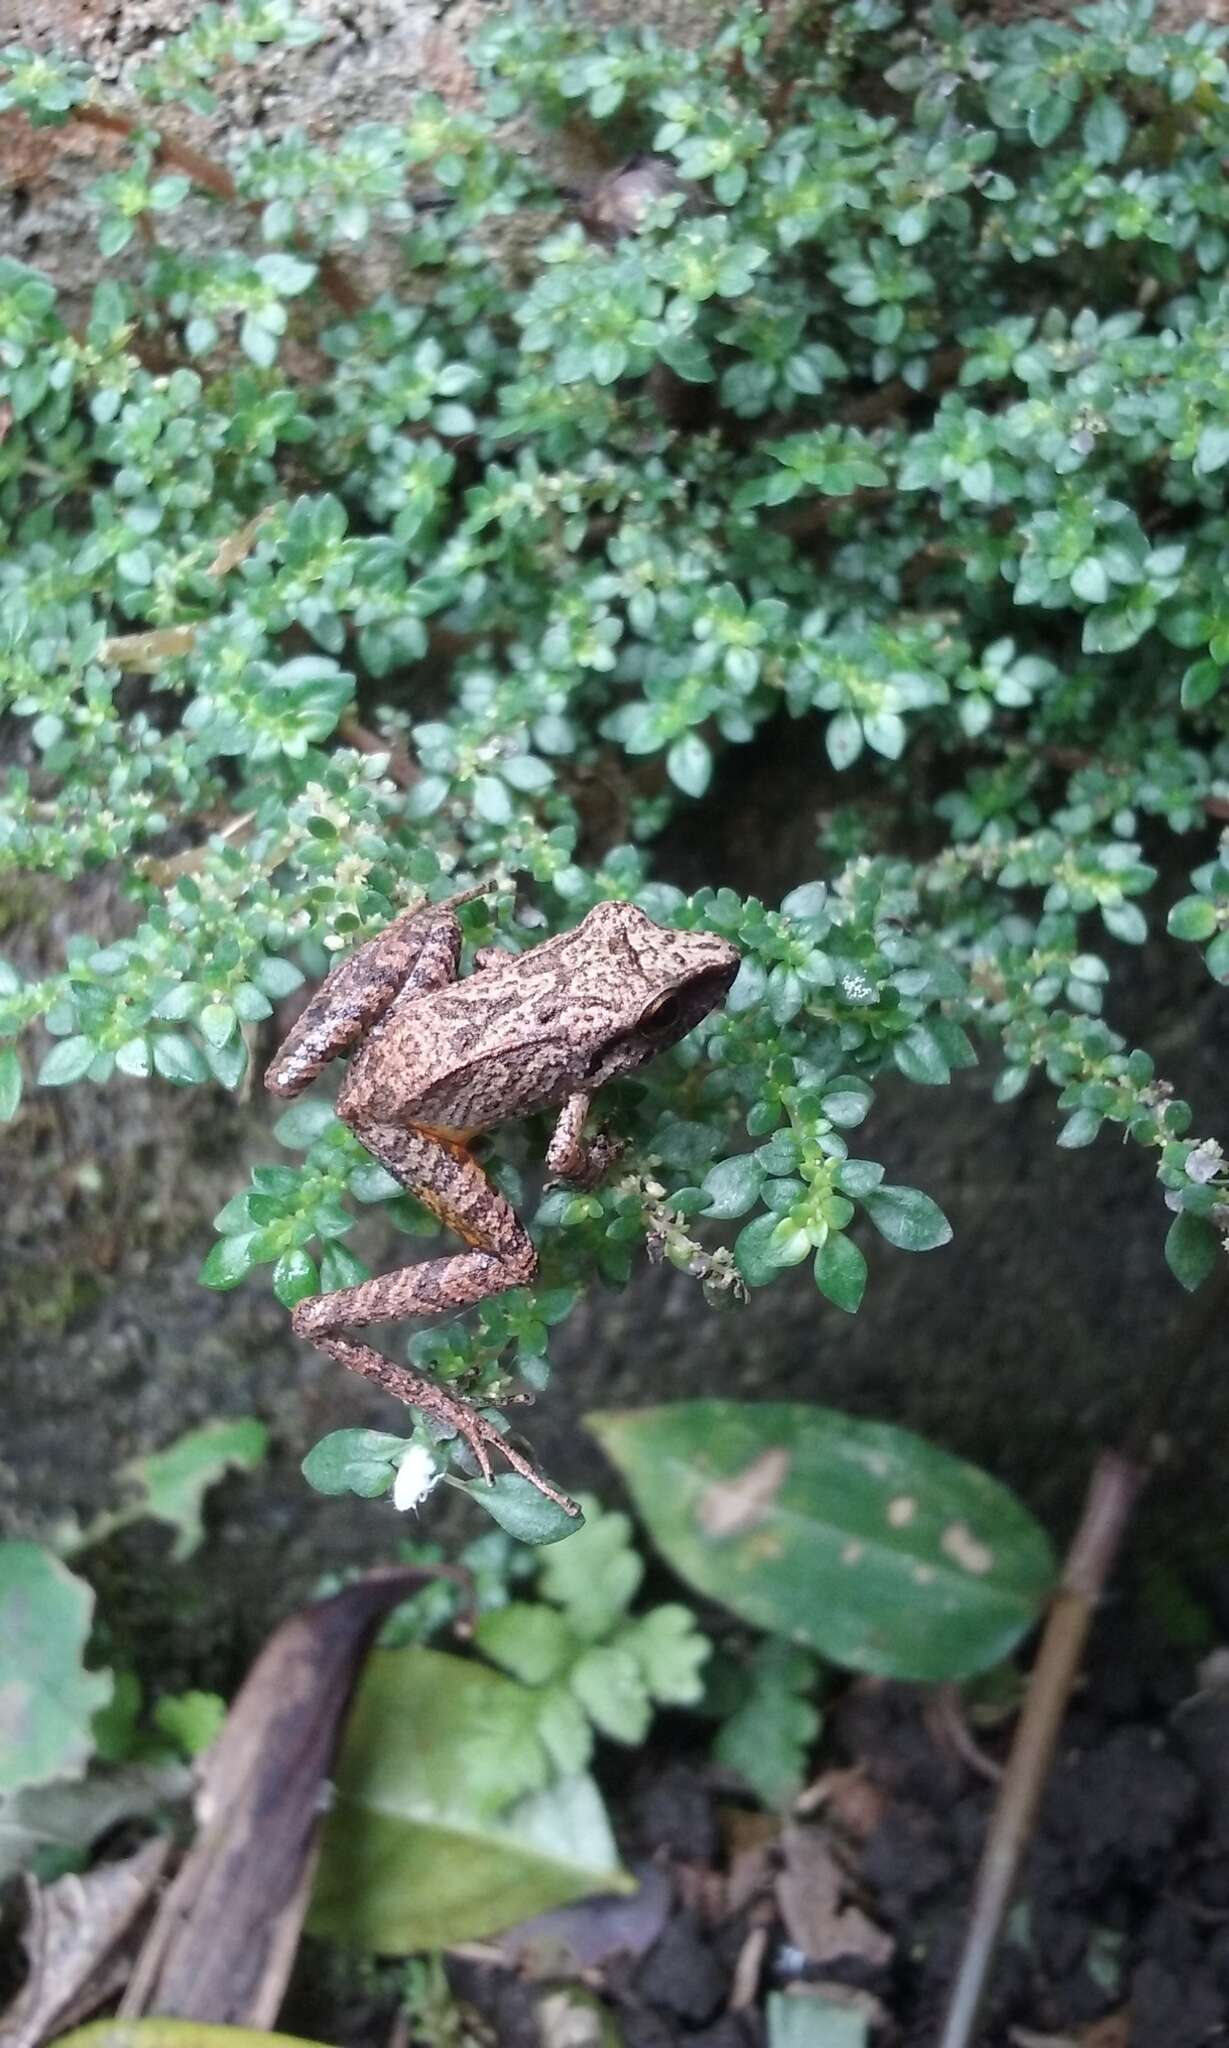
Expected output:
{"points": [[1112, 1493], [945, 1717], [1113, 1490]]}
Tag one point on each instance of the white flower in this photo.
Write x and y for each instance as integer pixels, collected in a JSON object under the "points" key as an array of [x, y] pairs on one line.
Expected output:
{"points": [[417, 1475], [1204, 1163]]}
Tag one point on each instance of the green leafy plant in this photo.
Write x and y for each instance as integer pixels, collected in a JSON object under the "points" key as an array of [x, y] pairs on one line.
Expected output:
{"points": [[64, 1713], [769, 1722], [451, 1819], [596, 1666], [891, 398]]}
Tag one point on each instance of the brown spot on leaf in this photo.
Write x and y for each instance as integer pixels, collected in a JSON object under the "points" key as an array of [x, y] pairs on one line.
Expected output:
{"points": [[960, 1544], [851, 1553], [729, 1506], [901, 1511]]}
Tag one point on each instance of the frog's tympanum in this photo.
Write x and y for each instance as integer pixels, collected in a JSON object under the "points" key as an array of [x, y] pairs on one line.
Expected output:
{"points": [[435, 1060]]}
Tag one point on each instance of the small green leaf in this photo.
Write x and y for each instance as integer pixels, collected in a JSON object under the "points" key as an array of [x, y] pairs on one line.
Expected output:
{"points": [[733, 1186], [275, 977], [295, 1278], [843, 739], [518, 1507], [230, 1261], [1216, 959], [840, 1272], [1126, 921], [340, 1268], [285, 273], [362, 1461], [610, 1686], [10, 1084], [1202, 682], [1212, 452], [178, 1060], [755, 1251], [1105, 132], [68, 1061], [907, 1218], [770, 1733], [218, 1023], [1193, 918], [689, 764], [135, 1058], [671, 1653], [1192, 1247], [596, 1577], [1079, 1130], [531, 1642], [920, 1057], [191, 1720], [492, 801], [1047, 117]]}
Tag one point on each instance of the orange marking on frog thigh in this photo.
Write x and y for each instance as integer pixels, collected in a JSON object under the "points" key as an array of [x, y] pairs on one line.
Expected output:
{"points": [[453, 1140], [452, 1145], [447, 1215]]}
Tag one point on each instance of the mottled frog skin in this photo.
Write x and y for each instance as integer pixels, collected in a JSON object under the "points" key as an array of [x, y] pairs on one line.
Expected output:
{"points": [[435, 1060]]}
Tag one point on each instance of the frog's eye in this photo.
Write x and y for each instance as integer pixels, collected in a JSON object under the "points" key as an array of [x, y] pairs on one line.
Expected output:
{"points": [[663, 1015]]}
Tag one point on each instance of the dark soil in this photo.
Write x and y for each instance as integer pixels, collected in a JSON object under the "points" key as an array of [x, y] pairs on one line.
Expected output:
{"points": [[1120, 1938]]}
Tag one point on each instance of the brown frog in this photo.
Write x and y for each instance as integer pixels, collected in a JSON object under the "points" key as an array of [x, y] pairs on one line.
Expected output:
{"points": [[435, 1060]]}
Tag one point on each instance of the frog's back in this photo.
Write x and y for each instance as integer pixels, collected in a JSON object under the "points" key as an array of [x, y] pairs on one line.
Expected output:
{"points": [[500, 1044]]}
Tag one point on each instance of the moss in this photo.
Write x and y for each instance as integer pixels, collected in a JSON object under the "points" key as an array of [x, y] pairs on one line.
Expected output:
{"points": [[45, 1299]]}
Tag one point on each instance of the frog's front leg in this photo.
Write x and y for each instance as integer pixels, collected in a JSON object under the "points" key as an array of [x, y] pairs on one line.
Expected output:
{"points": [[435, 1167], [418, 952], [573, 1157]]}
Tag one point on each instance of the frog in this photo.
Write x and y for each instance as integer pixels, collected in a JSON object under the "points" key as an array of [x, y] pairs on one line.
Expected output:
{"points": [[437, 1059]]}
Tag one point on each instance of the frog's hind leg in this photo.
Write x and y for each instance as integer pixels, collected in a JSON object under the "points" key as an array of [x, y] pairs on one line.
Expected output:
{"points": [[418, 952], [436, 1168]]}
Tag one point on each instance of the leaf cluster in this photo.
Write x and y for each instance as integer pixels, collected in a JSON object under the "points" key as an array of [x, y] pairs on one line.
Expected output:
{"points": [[893, 400]]}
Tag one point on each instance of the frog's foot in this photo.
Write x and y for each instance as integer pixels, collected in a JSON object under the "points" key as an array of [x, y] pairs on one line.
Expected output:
{"points": [[578, 1161], [417, 1391], [600, 1154]]}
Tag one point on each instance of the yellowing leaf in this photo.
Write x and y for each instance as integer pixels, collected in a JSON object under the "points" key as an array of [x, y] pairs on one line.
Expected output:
{"points": [[416, 1852]]}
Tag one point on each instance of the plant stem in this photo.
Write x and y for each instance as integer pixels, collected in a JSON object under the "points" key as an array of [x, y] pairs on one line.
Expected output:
{"points": [[1117, 1480], [1112, 1493]]}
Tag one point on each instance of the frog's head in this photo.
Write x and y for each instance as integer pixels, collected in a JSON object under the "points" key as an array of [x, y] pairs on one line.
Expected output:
{"points": [[663, 982]]}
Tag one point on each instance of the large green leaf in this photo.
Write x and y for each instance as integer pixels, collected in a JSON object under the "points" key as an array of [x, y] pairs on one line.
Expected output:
{"points": [[445, 1825], [863, 1541], [47, 1697]]}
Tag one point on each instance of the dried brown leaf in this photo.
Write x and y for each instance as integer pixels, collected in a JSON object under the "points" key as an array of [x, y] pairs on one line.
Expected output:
{"points": [[810, 1890], [225, 1935], [74, 1938]]}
